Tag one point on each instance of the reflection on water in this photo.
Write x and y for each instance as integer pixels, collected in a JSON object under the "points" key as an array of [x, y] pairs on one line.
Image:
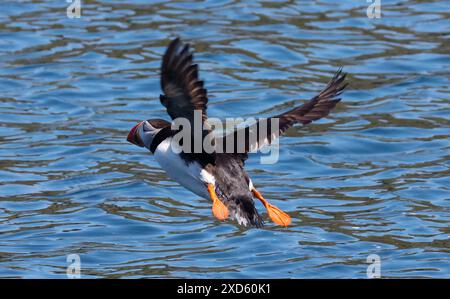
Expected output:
{"points": [[371, 179]]}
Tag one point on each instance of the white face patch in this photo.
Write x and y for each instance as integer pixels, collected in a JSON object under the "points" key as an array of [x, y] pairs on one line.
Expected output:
{"points": [[147, 132]]}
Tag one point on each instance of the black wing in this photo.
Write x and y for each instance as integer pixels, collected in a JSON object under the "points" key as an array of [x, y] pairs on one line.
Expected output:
{"points": [[249, 138], [183, 91]]}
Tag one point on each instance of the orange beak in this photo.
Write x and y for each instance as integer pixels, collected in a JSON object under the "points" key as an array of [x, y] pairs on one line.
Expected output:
{"points": [[133, 137]]}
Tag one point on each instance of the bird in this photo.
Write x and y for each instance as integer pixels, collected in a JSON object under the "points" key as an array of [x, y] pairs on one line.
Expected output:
{"points": [[219, 176]]}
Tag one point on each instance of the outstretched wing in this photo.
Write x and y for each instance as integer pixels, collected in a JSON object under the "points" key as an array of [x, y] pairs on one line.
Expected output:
{"points": [[183, 91], [265, 131]]}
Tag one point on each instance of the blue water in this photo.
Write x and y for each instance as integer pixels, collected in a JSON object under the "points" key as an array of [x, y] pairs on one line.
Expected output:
{"points": [[373, 178]]}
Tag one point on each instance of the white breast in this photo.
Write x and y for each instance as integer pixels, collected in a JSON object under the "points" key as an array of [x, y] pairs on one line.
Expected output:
{"points": [[191, 176]]}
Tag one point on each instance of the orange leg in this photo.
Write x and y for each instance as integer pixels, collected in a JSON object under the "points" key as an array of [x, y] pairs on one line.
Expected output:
{"points": [[277, 215], [220, 211]]}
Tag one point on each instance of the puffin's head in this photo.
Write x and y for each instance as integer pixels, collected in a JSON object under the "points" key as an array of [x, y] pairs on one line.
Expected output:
{"points": [[143, 133]]}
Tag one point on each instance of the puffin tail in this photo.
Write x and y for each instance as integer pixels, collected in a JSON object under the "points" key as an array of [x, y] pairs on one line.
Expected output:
{"points": [[245, 212]]}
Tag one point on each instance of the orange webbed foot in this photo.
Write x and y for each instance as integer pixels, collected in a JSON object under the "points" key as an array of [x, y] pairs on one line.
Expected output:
{"points": [[277, 215], [220, 211]]}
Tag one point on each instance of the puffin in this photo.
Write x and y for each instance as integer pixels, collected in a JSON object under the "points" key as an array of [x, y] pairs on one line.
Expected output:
{"points": [[218, 175]]}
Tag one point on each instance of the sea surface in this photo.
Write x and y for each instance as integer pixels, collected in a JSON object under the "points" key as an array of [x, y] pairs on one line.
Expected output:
{"points": [[367, 188]]}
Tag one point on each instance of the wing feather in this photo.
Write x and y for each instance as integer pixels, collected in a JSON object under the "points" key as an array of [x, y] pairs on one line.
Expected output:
{"points": [[316, 108], [183, 91]]}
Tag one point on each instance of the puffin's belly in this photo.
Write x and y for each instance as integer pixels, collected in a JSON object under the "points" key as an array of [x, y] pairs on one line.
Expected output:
{"points": [[191, 176]]}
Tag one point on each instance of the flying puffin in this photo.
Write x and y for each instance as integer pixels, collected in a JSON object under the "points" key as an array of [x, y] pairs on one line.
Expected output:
{"points": [[218, 176]]}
